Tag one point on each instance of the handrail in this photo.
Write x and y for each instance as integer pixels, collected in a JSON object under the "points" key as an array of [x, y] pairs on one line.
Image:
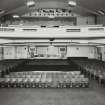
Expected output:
{"points": [[56, 29]]}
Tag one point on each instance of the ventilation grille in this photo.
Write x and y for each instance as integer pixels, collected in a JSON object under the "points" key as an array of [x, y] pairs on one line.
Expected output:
{"points": [[28, 30], [7, 29], [96, 29], [73, 30]]}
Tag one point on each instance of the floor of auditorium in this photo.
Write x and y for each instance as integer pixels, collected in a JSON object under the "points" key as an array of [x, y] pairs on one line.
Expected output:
{"points": [[90, 96]]}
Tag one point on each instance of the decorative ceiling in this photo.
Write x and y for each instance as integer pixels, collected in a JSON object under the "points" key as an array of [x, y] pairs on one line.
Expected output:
{"points": [[83, 7]]}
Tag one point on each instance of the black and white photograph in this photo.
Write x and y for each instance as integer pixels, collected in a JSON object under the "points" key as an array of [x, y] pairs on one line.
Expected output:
{"points": [[52, 52]]}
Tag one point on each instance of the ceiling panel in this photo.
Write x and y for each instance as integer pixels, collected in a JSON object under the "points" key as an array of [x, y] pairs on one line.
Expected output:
{"points": [[83, 6]]}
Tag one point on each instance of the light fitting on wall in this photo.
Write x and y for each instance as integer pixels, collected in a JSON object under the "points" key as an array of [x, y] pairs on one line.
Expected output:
{"points": [[51, 17], [72, 3], [51, 41]]}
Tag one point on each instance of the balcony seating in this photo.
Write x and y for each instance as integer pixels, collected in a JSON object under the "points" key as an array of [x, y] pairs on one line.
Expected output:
{"points": [[44, 79]]}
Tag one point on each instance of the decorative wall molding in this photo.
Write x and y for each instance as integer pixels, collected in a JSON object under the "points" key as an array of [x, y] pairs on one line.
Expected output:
{"points": [[50, 13]]}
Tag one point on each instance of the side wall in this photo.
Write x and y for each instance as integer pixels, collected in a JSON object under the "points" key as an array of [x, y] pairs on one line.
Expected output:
{"points": [[82, 51], [90, 20], [77, 20], [101, 20]]}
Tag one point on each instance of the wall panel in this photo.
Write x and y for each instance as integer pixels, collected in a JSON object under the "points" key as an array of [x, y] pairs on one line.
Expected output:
{"points": [[9, 52], [81, 51], [22, 52]]}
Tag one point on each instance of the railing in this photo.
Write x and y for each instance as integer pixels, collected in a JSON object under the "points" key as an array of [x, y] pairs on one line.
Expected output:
{"points": [[67, 31]]}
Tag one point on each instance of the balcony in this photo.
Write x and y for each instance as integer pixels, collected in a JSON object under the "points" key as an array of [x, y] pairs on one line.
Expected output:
{"points": [[49, 32]]}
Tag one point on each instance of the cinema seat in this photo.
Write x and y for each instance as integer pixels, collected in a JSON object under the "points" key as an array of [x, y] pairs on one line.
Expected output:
{"points": [[7, 82], [45, 80], [20, 82], [2, 82], [94, 69]]}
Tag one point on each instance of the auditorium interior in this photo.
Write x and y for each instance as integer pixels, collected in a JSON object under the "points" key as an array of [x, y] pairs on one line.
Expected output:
{"points": [[52, 52]]}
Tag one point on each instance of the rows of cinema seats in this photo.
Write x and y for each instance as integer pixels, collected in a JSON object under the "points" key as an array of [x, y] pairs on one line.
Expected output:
{"points": [[7, 66], [48, 62], [44, 79], [46, 65], [93, 68]]}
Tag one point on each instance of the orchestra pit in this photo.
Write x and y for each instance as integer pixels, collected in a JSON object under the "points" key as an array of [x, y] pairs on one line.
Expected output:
{"points": [[52, 52]]}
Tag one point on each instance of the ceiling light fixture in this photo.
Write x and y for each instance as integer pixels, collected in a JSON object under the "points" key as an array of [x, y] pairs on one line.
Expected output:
{"points": [[101, 12], [30, 3], [100, 46], [2, 12], [16, 16], [72, 3]]}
